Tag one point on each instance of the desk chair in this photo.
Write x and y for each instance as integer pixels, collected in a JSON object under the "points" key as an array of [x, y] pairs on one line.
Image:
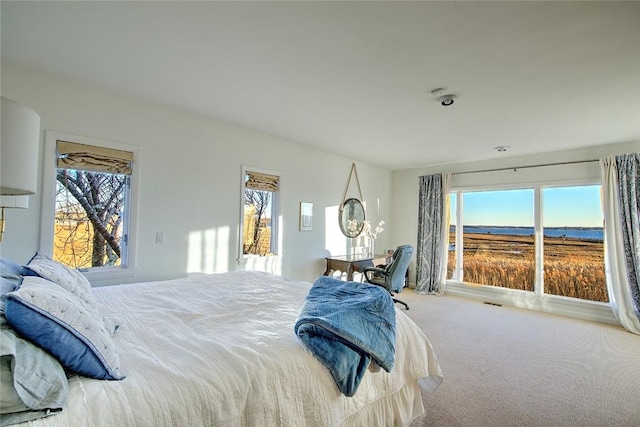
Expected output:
{"points": [[391, 276]]}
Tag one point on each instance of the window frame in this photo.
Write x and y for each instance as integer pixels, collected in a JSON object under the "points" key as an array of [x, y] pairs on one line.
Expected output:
{"points": [[459, 236], [275, 238], [537, 299], [128, 267], [540, 281]]}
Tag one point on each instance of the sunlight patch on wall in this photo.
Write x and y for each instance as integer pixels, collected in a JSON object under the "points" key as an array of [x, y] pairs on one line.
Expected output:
{"points": [[208, 251], [334, 241]]}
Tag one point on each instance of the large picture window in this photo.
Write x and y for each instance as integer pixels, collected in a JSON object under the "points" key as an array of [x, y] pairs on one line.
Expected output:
{"points": [[505, 231]]}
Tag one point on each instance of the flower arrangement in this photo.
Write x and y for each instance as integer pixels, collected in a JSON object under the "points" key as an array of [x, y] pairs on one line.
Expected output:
{"points": [[372, 233]]}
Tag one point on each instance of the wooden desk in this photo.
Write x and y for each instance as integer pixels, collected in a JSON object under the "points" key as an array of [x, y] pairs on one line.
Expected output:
{"points": [[350, 263]]}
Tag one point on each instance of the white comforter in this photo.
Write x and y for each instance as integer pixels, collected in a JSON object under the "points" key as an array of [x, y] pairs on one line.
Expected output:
{"points": [[220, 350]]}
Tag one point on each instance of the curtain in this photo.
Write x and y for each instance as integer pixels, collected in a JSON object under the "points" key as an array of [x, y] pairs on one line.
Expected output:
{"points": [[621, 208], [433, 233], [72, 155]]}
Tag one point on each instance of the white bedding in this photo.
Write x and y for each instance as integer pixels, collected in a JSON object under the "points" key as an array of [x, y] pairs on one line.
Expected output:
{"points": [[220, 350]]}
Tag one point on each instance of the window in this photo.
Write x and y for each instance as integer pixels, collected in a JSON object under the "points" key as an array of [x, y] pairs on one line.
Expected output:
{"points": [[499, 242], [499, 248], [90, 209], [92, 187], [452, 261], [573, 243], [259, 231]]}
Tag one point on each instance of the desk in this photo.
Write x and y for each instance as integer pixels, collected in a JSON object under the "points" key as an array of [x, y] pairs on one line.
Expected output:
{"points": [[350, 263]]}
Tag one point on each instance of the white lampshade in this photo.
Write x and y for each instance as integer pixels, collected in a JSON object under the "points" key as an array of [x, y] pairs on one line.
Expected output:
{"points": [[19, 149]]}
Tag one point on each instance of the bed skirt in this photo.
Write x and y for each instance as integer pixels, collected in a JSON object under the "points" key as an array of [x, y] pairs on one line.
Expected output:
{"points": [[402, 407]]}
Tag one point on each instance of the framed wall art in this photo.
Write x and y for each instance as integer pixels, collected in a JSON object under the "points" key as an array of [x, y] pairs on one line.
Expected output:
{"points": [[306, 216]]}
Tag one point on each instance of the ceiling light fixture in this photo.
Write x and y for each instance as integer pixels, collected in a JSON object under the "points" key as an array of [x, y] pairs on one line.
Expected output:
{"points": [[501, 148], [447, 100]]}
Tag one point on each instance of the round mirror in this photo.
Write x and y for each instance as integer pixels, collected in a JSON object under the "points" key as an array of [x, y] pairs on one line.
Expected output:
{"points": [[351, 217]]}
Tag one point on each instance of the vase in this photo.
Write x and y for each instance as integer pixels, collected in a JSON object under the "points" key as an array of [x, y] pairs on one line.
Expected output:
{"points": [[372, 250]]}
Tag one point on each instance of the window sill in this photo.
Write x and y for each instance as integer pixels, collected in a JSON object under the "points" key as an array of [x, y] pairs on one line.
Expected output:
{"points": [[105, 276], [269, 263], [564, 306]]}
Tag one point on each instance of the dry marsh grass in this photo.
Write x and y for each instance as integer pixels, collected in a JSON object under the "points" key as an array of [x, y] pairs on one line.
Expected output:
{"points": [[572, 267]]}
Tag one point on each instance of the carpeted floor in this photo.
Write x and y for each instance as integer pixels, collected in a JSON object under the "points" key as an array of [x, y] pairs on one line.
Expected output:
{"points": [[506, 366]]}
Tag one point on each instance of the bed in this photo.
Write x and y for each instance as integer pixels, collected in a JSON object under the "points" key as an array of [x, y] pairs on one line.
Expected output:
{"points": [[220, 350]]}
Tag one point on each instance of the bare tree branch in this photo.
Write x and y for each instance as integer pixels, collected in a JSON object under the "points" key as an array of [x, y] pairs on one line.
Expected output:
{"points": [[87, 188]]}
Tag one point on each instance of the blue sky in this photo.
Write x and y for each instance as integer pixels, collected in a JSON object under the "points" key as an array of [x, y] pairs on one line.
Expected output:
{"points": [[562, 206]]}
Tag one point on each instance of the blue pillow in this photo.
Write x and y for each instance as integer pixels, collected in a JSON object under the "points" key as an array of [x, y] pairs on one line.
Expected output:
{"points": [[6, 286], [10, 272], [10, 268], [65, 326]]}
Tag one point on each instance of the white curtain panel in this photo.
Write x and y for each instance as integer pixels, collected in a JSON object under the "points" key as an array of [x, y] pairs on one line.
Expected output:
{"points": [[618, 276], [444, 231]]}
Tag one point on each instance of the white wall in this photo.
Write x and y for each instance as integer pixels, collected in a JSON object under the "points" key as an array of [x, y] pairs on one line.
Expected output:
{"points": [[190, 169]]}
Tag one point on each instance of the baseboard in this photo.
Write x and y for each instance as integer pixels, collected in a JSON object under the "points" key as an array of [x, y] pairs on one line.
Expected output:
{"points": [[570, 307]]}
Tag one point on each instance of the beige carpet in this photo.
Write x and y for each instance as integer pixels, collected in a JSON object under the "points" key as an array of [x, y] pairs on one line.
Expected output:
{"points": [[505, 366]]}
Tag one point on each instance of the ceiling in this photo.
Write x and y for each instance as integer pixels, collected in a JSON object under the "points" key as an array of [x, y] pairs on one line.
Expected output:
{"points": [[355, 78]]}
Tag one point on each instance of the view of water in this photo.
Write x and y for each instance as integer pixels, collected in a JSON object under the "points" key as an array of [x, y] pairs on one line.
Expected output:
{"points": [[587, 233]]}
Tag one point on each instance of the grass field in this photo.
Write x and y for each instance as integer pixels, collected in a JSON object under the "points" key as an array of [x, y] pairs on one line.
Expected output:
{"points": [[572, 267]]}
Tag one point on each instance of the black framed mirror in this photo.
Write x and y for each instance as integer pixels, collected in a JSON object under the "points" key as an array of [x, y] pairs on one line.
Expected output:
{"points": [[351, 217]]}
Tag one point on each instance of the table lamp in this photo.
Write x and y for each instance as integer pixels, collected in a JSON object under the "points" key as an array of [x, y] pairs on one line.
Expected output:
{"points": [[20, 132]]}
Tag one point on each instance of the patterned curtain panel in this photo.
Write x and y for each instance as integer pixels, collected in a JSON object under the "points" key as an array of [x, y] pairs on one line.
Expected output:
{"points": [[629, 189], [621, 207], [433, 233]]}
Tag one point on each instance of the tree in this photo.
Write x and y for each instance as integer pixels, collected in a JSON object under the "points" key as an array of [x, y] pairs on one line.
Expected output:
{"points": [[260, 200], [90, 206]]}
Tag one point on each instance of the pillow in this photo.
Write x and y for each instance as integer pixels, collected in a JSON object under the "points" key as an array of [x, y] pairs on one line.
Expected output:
{"points": [[60, 274], [10, 269], [71, 280], [10, 276], [6, 286], [10, 272], [33, 383], [65, 326]]}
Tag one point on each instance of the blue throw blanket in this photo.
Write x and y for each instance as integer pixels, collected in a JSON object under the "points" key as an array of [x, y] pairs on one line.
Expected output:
{"points": [[346, 325]]}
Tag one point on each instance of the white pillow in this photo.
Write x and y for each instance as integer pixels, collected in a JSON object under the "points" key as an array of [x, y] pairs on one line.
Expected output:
{"points": [[71, 280], [58, 273]]}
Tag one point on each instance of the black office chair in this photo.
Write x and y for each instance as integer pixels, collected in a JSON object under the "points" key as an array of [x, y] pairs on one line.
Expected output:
{"points": [[392, 276]]}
